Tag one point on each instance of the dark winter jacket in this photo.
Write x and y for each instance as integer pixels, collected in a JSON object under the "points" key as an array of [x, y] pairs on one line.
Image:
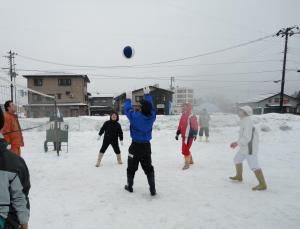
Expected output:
{"points": [[112, 131], [14, 187], [140, 124]]}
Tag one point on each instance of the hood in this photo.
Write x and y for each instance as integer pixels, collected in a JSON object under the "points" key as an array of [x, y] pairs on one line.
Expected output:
{"points": [[187, 108], [248, 110], [116, 113]]}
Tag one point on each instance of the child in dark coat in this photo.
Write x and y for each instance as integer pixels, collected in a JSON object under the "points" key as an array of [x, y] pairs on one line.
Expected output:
{"points": [[112, 130]]}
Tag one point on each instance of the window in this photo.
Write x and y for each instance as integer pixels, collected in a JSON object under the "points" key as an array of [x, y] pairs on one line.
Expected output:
{"points": [[276, 100], [64, 82], [68, 92], [38, 82], [58, 96]]}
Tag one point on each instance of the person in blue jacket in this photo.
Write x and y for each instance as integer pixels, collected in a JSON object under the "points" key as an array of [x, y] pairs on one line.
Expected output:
{"points": [[141, 123]]}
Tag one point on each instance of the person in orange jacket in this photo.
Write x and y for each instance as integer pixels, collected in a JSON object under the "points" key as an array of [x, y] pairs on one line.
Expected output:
{"points": [[12, 130], [188, 128]]}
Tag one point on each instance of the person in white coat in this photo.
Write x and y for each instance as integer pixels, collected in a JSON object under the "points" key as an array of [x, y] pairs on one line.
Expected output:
{"points": [[248, 149]]}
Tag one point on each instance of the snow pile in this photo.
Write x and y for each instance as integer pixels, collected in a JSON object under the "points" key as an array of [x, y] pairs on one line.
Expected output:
{"points": [[265, 128]]}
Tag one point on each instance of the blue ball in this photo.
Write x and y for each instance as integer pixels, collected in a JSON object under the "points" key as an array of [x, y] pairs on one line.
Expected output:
{"points": [[128, 52]]}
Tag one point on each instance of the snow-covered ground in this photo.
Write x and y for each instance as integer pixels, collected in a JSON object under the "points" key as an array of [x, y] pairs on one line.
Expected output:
{"points": [[70, 192]]}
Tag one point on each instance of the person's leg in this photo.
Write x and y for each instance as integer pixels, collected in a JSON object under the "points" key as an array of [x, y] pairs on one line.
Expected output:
{"points": [[200, 134], [115, 145], [104, 147], [146, 163], [253, 164], [207, 133], [189, 145], [16, 149], [132, 167], [238, 161], [186, 153]]}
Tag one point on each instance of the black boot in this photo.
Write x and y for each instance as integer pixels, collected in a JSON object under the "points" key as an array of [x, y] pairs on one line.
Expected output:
{"points": [[129, 185], [151, 182]]}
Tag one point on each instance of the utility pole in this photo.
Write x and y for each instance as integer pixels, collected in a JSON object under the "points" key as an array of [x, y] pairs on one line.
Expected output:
{"points": [[287, 32], [12, 73], [172, 80]]}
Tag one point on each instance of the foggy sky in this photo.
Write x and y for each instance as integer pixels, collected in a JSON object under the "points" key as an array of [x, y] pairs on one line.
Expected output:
{"points": [[94, 32]]}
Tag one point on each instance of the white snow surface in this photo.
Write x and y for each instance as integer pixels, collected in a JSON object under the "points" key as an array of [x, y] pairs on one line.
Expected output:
{"points": [[70, 192]]}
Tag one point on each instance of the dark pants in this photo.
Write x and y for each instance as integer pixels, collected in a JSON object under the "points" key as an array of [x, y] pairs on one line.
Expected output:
{"points": [[205, 130], [114, 144], [140, 153]]}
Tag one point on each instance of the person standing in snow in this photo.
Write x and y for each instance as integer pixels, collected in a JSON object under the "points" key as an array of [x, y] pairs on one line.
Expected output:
{"points": [[11, 129], [14, 187], [248, 148], [141, 123], [112, 131], [204, 119], [188, 128]]}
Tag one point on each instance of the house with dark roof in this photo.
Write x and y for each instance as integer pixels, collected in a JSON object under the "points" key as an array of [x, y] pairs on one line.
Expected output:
{"points": [[101, 104], [162, 100], [70, 92], [270, 103]]}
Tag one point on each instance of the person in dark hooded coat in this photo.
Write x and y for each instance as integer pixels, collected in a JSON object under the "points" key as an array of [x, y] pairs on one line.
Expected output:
{"points": [[112, 130]]}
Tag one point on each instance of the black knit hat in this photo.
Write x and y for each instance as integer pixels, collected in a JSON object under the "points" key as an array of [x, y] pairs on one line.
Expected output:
{"points": [[1, 119], [146, 108]]}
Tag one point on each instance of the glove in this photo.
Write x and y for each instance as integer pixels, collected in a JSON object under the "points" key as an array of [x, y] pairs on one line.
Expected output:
{"points": [[129, 95], [146, 90], [176, 137], [121, 142], [8, 147], [99, 137], [233, 145]]}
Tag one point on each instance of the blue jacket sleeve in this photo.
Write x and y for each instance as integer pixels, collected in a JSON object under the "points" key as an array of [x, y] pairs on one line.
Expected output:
{"points": [[128, 110]]}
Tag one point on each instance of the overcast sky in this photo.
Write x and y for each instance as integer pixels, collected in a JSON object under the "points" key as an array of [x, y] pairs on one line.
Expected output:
{"points": [[94, 32]]}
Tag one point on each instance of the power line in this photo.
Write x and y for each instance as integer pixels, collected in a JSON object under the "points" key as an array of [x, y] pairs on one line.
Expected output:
{"points": [[170, 66], [167, 77], [153, 63]]}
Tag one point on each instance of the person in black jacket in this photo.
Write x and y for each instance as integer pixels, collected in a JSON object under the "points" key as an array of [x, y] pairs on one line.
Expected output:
{"points": [[14, 187], [112, 131]]}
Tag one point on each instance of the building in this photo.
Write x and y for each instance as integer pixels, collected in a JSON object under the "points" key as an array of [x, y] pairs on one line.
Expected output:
{"points": [[270, 103], [162, 100], [101, 105], [70, 92], [182, 95]]}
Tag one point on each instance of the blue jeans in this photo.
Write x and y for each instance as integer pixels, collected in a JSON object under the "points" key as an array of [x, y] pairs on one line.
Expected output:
{"points": [[2, 222]]}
